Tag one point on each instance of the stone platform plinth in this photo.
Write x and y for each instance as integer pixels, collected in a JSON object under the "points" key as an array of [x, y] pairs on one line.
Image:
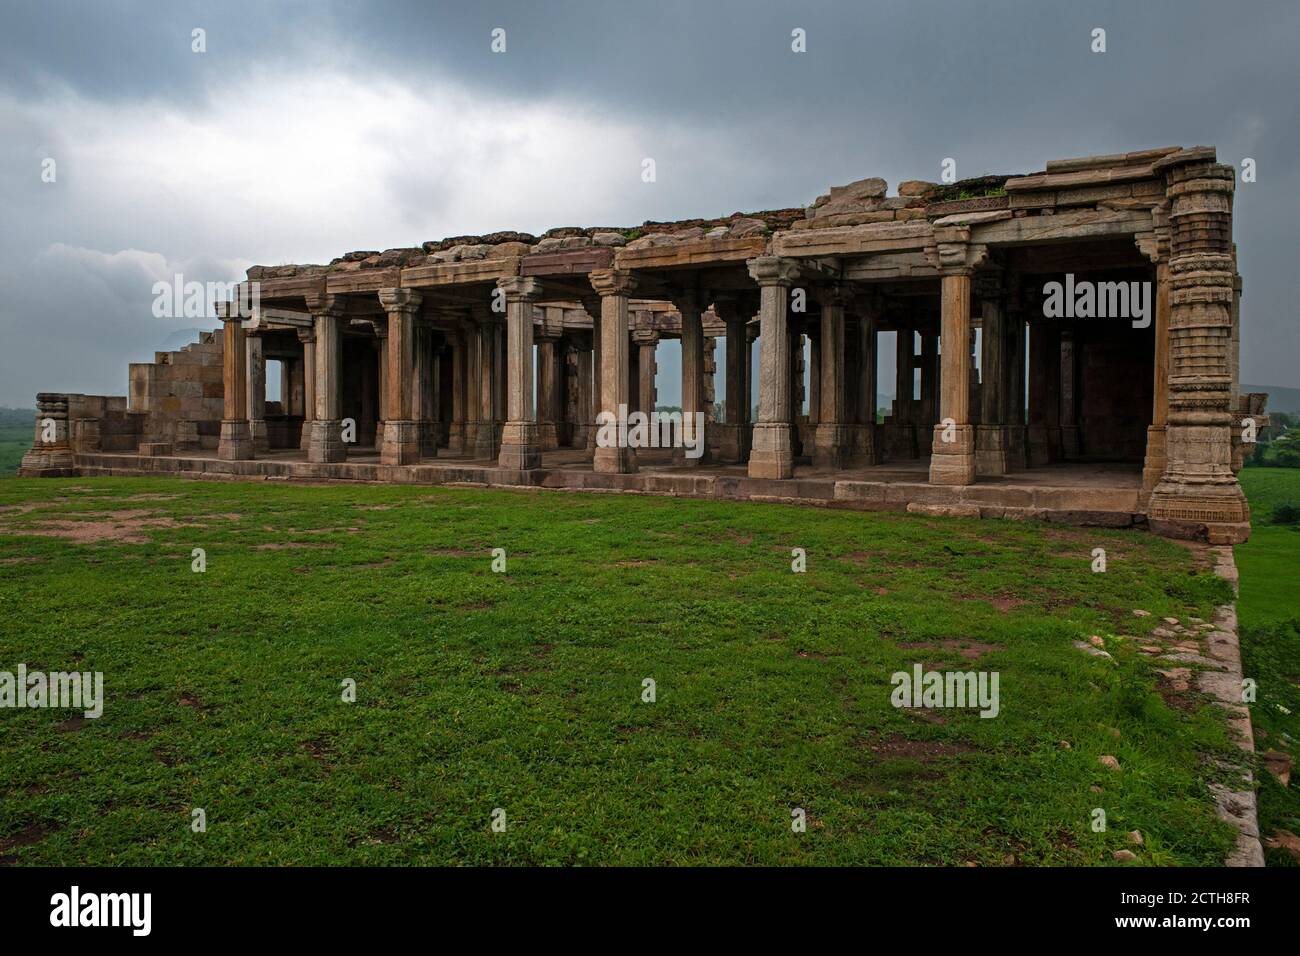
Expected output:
{"points": [[1076, 494]]}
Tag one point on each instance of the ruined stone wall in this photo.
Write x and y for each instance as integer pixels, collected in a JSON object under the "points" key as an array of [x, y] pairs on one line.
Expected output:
{"points": [[180, 394]]}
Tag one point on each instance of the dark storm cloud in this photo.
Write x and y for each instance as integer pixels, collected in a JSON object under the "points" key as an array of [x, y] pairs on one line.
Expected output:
{"points": [[885, 89]]}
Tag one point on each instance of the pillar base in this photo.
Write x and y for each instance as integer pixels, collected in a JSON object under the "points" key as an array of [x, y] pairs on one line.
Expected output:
{"points": [[1214, 511], [832, 446], [1070, 447], [1040, 448], [327, 442], [257, 431], [862, 448], [430, 436], [991, 453], [456, 438], [953, 462], [487, 440], [1157, 457], [724, 443], [548, 436], [236, 443], [901, 441], [401, 444], [772, 454], [304, 439], [52, 462], [614, 461], [520, 449]]}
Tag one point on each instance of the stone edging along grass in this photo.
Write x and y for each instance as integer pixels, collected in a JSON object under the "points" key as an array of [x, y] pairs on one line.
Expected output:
{"points": [[1222, 680]]}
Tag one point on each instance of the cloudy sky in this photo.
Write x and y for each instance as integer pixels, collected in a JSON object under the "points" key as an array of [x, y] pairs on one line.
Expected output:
{"points": [[310, 129]]}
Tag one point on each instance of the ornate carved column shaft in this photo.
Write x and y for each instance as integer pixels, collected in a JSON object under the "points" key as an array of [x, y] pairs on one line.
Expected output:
{"points": [[1198, 496], [236, 441], [520, 448], [771, 454]]}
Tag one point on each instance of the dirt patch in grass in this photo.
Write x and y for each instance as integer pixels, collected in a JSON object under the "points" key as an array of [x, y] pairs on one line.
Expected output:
{"points": [[31, 834], [971, 650], [380, 836], [1003, 604], [896, 746], [97, 527], [285, 545], [319, 749], [24, 559]]}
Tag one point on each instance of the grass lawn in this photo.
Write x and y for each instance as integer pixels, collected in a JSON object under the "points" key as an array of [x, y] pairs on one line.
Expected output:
{"points": [[523, 690], [1269, 613]]}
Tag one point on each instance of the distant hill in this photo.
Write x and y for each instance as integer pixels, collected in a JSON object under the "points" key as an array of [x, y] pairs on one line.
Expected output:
{"points": [[1280, 399], [17, 416]]}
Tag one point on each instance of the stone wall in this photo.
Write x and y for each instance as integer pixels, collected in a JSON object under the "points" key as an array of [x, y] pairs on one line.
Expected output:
{"points": [[180, 394]]}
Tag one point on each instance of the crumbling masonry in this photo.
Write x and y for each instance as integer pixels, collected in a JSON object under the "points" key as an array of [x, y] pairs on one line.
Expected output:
{"points": [[487, 359]]}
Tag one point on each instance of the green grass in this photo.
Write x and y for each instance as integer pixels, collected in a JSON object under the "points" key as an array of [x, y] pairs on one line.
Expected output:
{"points": [[1269, 613], [522, 690]]}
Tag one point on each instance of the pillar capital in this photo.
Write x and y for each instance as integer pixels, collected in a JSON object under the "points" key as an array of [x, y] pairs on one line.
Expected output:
{"points": [[773, 270], [689, 300], [833, 294], [953, 253], [228, 311], [613, 281], [520, 288], [400, 300], [325, 303]]}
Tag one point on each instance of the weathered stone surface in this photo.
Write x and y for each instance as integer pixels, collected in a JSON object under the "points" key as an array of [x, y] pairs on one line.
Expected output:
{"points": [[917, 187]]}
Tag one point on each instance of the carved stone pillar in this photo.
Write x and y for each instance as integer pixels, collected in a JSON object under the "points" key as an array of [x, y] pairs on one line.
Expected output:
{"points": [[772, 453], [236, 441], [991, 434], [1044, 392], [614, 287], [952, 455], [926, 409], [730, 438], [646, 342], [833, 447], [255, 383], [691, 309], [308, 339], [402, 383], [1153, 465], [487, 429], [592, 306], [865, 448], [456, 421], [327, 424], [520, 447], [382, 412], [51, 453], [902, 421], [1198, 496], [550, 378]]}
